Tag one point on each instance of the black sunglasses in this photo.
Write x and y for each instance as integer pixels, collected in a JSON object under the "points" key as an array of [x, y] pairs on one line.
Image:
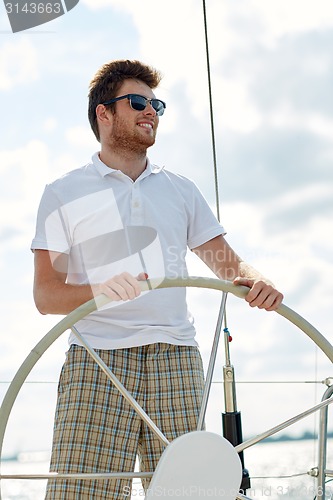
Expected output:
{"points": [[139, 103]]}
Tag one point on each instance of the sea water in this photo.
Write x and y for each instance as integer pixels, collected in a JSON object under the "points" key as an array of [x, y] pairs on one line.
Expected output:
{"points": [[278, 472]]}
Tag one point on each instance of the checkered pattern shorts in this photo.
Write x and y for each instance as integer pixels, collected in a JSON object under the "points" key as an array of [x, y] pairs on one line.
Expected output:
{"points": [[96, 430]]}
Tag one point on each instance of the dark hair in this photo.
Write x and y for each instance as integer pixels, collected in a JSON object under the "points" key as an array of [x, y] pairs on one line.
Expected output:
{"points": [[109, 79]]}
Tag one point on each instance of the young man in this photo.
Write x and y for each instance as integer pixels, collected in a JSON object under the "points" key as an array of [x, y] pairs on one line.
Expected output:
{"points": [[101, 229]]}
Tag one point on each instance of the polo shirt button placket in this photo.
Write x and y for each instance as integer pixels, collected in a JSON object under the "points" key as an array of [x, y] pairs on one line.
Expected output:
{"points": [[136, 206]]}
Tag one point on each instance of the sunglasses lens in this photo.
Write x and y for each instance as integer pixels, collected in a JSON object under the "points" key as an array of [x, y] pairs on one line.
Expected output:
{"points": [[138, 102], [158, 106]]}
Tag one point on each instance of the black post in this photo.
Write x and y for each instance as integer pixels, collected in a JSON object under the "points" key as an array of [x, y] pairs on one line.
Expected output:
{"points": [[232, 431]]}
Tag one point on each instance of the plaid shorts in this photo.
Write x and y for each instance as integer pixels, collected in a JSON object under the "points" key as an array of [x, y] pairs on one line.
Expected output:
{"points": [[96, 430]]}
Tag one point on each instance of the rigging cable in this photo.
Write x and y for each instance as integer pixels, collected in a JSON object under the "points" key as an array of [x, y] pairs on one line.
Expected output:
{"points": [[232, 428], [212, 126], [231, 418], [211, 113]]}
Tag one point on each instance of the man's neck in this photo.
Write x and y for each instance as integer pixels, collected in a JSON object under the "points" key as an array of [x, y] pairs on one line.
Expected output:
{"points": [[130, 163]]}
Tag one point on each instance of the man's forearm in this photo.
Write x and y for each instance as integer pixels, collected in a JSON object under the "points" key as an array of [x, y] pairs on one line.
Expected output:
{"points": [[224, 262], [221, 258], [249, 272], [62, 298], [54, 296]]}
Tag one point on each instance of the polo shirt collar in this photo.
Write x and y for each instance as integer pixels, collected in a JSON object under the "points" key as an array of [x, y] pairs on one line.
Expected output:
{"points": [[104, 170]]}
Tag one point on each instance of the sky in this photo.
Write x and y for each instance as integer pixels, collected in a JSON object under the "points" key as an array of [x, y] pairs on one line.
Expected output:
{"points": [[272, 76]]}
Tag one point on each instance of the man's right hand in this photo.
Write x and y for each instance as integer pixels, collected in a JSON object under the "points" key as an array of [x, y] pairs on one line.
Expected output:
{"points": [[121, 287]]}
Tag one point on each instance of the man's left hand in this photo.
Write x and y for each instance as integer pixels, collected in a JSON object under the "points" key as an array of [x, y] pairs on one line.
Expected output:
{"points": [[262, 294]]}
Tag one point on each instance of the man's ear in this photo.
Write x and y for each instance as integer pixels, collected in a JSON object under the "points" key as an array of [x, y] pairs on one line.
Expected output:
{"points": [[102, 113], [104, 118]]}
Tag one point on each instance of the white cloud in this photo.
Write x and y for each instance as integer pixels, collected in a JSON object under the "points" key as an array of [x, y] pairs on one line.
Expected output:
{"points": [[29, 168], [98, 4], [18, 63], [277, 18], [235, 111], [285, 117], [50, 124], [81, 136], [306, 194]]}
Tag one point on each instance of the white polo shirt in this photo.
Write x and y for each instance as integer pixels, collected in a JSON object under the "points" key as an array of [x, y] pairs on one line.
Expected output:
{"points": [[107, 223]]}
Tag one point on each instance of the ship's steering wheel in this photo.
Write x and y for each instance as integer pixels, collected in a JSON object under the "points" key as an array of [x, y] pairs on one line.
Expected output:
{"points": [[92, 305]]}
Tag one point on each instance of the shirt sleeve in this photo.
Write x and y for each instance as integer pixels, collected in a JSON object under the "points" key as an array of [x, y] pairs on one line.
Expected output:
{"points": [[51, 227], [203, 224]]}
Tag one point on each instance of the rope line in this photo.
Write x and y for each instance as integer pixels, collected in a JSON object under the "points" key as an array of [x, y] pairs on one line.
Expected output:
{"points": [[212, 127], [281, 477], [272, 382], [327, 381], [321, 382]]}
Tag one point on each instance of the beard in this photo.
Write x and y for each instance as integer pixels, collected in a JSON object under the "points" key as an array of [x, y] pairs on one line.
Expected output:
{"points": [[129, 139]]}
